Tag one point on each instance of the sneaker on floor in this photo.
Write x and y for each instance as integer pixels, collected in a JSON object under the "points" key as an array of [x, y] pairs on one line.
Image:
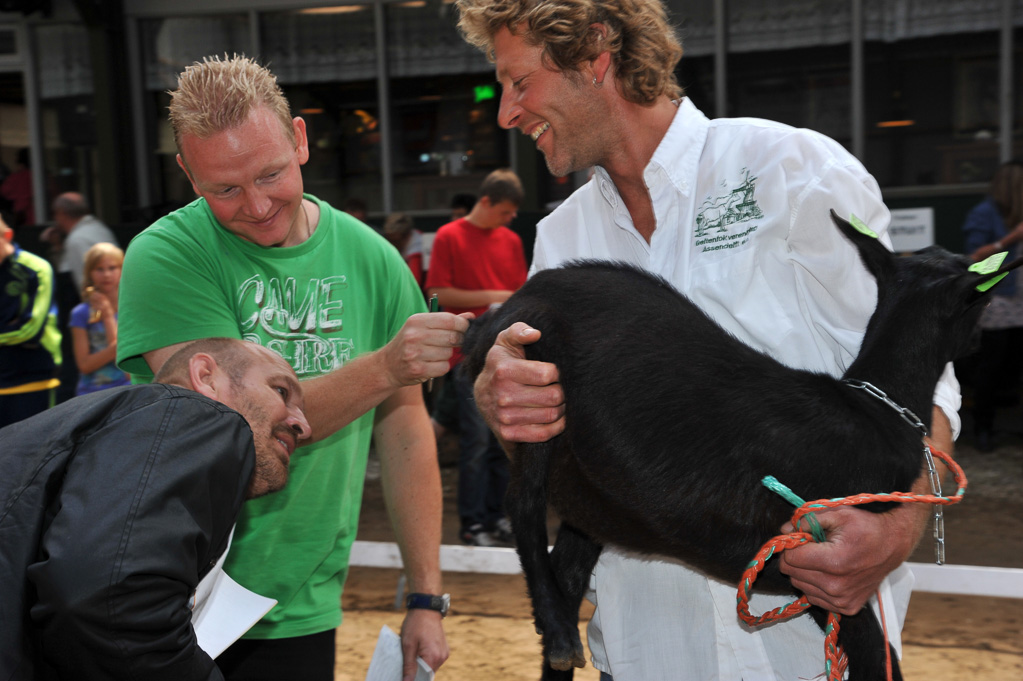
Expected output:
{"points": [[502, 531], [477, 536]]}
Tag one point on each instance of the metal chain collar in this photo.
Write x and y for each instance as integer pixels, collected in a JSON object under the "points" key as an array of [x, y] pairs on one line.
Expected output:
{"points": [[932, 473], [907, 415]]}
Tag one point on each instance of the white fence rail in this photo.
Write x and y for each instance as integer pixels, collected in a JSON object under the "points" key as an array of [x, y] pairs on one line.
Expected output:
{"points": [[951, 579]]}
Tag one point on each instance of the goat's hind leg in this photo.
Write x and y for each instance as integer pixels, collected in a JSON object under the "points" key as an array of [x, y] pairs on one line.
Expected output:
{"points": [[526, 502], [572, 560]]}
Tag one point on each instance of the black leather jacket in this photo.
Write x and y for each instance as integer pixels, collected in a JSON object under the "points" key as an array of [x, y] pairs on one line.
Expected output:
{"points": [[112, 507]]}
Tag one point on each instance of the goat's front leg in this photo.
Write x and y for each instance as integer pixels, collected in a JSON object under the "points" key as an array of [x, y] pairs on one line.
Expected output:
{"points": [[526, 502]]}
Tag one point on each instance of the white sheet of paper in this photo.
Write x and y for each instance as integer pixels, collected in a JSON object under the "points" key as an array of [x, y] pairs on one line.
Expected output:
{"points": [[387, 658], [223, 609]]}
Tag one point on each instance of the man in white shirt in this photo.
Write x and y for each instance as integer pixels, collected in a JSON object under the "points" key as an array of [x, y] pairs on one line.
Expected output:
{"points": [[81, 232], [735, 214]]}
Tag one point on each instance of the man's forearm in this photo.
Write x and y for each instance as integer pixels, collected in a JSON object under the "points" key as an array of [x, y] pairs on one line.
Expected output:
{"points": [[334, 400], [421, 350], [940, 438], [461, 298], [411, 485]]}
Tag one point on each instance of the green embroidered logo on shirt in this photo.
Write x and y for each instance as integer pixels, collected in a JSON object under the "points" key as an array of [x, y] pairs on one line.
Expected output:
{"points": [[717, 214]]}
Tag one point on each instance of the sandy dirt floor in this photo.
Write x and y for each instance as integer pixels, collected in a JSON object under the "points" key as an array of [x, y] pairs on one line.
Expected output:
{"points": [[947, 638]]}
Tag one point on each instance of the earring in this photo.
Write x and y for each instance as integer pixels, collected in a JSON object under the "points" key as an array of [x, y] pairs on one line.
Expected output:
{"points": [[596, 84]]}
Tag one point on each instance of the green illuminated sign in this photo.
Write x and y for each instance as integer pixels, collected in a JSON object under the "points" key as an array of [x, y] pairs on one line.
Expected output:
{"points": [[484, 92]]}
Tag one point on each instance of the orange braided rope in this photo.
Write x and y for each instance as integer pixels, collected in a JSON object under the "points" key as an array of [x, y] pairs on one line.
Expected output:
{"points": [[835, 659]]}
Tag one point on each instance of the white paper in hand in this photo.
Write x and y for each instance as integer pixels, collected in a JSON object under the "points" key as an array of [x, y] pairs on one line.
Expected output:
{"points": [[387, 658]]}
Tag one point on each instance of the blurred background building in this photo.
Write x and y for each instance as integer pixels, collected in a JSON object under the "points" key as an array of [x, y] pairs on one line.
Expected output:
{"points": [[402, 113]]}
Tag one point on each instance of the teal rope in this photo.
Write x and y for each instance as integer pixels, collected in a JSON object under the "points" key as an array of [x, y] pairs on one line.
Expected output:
{"points": [[772, 483]]}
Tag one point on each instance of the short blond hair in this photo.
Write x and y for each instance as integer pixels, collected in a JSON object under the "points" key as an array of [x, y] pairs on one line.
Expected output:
{"points": [[218, 94], [643, 45], [92, 258]]}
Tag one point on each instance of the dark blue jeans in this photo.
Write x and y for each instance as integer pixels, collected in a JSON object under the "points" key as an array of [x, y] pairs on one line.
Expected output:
{"points": [[482, 463]]}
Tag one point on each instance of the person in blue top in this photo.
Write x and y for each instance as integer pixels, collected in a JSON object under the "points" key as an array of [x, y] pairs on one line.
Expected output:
{"points": [[94, 322], [29, 338], [994, 225]]}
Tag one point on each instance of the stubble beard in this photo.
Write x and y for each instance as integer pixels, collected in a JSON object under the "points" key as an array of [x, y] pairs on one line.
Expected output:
{"points": [[271, 472], [578, 149]]}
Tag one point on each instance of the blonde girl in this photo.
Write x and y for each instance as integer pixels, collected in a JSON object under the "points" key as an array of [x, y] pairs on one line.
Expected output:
{"points": [[94, 322]]}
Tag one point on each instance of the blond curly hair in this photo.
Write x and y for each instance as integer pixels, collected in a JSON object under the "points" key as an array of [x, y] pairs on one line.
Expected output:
{"points": [[217, 94], [643, 45]]}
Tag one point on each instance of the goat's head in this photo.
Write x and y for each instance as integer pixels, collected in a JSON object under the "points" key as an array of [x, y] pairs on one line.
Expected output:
{"points": [[930, 289]]}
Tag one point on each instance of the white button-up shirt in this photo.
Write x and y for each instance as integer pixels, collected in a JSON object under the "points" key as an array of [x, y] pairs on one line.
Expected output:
{"points": [[744, 230]]}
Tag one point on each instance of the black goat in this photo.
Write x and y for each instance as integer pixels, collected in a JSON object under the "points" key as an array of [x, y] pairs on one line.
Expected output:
{"points": [[671, 423]]}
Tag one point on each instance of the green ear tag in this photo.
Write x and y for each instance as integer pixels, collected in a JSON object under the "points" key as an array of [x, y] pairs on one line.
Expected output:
{"points": [[988, 266], [991, 282], [861, 226]]}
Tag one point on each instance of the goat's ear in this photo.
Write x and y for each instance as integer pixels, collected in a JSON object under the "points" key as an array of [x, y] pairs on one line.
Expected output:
{"points": [[877, 259]]}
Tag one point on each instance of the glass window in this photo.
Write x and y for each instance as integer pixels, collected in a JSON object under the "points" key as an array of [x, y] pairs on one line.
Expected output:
{"points": [[1017, 117], [68, 116], [804, 88], [343, 127], [696, 76], [14, 147], [932, 109], [790, 62], [932, 91], [444, 104], [325, 61], [694, 24]]}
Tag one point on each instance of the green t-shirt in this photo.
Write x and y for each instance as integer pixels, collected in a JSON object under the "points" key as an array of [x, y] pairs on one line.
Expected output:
{"points": [[342, 293]]}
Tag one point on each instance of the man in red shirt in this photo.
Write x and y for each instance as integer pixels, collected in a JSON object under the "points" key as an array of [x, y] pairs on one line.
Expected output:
{"points": [[478, 262]]}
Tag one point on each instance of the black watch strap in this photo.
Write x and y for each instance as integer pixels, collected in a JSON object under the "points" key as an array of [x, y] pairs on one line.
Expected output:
{"points": [[429, 602]]}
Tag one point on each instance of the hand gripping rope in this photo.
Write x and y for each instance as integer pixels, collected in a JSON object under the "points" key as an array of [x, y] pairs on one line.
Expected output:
{"points": [[835, 660]]}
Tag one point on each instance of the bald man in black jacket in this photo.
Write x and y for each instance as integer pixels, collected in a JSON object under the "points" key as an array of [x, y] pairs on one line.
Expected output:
{"points": [[113, 506]]}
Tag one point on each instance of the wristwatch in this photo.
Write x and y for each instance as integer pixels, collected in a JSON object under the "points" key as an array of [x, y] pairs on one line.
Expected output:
{"points": [[440, 603]]}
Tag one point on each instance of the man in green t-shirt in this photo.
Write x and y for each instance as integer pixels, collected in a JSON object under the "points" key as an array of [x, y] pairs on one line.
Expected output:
{"points": [[257, 259]]}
